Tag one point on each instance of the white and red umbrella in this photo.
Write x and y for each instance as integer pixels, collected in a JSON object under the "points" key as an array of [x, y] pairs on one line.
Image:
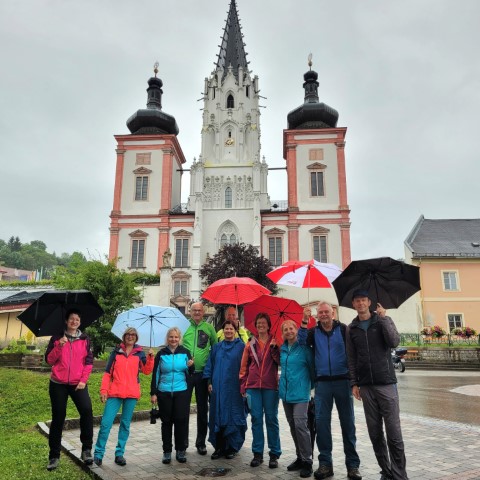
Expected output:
{"points": [[307, 274]]}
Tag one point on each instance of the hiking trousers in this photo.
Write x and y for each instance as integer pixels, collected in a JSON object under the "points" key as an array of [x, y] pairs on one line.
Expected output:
{"points": [[381, 406]]}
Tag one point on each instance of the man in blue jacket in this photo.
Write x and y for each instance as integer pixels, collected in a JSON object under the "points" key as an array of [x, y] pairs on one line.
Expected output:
{"points": [[331, 384]]}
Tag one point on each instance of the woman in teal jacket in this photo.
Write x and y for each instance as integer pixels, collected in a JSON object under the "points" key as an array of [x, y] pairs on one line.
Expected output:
{"points": [[296, 382], [169, 388]]}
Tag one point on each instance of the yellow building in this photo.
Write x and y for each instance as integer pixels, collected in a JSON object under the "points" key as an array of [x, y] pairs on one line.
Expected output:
{"points": [[12, 304], [448, 254]]}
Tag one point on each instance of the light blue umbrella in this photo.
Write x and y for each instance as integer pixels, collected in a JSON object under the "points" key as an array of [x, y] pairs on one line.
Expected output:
{"points": [[151, 323]]}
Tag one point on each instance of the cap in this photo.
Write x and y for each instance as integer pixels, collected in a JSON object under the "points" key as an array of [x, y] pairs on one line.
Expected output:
{"points": [[360, 293]]}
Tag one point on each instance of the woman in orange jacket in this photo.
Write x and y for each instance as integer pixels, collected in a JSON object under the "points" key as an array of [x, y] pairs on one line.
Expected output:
{"points": [[121, 388]]}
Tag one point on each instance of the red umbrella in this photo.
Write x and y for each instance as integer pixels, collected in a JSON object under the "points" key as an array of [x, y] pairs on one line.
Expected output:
{"points": [[234, 290], [279, 309]]}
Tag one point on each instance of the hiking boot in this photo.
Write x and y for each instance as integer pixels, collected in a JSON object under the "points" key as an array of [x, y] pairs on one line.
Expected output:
{"points": [[181, 456], [324, 471], [257, 460], [97, 461], [202, 450], [273, 462], [53, 464], [306, 470], [87, 457], [167, 457], [296, 465], [120, 461], [354, 473], [230, 453], [216, 454]]}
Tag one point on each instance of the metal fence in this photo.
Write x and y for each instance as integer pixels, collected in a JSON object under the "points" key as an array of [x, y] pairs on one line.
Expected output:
{"points": [[427, 340]]}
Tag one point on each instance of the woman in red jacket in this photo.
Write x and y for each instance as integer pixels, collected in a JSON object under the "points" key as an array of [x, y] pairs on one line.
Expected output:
{"points": [[71, 359], [259, 383], [121, 388]]}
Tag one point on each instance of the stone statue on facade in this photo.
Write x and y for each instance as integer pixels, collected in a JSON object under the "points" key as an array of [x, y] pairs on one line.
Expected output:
{"points": [[166, 257]]}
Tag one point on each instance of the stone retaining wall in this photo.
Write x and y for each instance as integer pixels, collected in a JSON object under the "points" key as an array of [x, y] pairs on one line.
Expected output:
{"points": [[444, 355]]}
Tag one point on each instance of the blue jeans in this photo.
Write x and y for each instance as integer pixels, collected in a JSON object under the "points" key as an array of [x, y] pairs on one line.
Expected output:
{"points": [[264, 400], [112, 406], [325, 393]]}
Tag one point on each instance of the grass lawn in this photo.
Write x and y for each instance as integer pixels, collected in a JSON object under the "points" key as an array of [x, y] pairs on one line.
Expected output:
{"points": [[24, 401]]}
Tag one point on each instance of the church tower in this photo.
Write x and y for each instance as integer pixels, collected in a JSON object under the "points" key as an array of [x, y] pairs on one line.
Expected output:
{"points": [[228, 189], [147, 185], [314, 150]]}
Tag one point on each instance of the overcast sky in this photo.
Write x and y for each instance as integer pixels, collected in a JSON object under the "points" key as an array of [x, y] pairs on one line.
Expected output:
{"points": [[404, 76]]}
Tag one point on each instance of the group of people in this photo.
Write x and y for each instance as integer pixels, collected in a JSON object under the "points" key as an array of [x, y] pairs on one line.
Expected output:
{"points": [[233, 374]]}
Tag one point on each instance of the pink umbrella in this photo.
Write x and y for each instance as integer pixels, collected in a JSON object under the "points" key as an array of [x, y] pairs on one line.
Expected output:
{"points": [[308, 274], [234, 291]]}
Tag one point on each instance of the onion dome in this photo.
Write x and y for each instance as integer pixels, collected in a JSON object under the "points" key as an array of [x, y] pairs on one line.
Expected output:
{"points": [[312, 114], [152, 120]]}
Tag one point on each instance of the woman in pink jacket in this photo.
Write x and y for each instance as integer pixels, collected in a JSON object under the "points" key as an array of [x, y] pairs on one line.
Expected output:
{"points": [[72, 361], [121, 388]]}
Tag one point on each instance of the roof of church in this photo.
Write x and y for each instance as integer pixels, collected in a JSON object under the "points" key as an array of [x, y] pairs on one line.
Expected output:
{"points": [[312, 114], [232, 51], [152, 120], [445, 238]]}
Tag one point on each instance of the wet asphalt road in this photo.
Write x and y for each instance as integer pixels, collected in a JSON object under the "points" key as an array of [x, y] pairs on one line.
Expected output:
{"points": [[445, 395]]}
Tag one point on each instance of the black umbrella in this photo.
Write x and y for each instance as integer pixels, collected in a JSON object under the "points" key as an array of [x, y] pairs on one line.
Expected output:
{"points": [[46, 316], [387, 281]]}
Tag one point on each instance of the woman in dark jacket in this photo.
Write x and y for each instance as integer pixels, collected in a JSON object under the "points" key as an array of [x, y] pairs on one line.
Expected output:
{"points": [[259, 384], [169, 389], [227, 422], [71, 359], [296, 382]]}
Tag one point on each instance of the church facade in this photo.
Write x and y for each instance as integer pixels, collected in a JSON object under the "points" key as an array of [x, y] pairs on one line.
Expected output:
{"points": [[228, 202]]}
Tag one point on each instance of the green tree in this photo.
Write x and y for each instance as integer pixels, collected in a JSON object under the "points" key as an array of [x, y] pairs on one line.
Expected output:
{"points": [[238, 260], [113, 289], [14, 244], [67, 260]]}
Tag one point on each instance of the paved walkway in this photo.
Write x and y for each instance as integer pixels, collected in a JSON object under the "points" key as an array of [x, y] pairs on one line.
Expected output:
{"points": [[435, 449]]}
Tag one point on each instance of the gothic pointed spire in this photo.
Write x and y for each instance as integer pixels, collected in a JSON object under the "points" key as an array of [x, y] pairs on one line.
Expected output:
{"points": [[232, 51]]}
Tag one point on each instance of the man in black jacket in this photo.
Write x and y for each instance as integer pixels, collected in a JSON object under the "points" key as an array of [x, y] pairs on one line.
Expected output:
{"points": [[370, 338]]}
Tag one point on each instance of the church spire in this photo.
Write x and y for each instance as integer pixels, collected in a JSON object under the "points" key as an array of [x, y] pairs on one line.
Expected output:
{"points": [[153, 120], [232, 51], [312, 114]]}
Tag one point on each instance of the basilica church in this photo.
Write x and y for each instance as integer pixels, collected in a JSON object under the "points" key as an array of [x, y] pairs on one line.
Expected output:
{"points": [[152, 230]]}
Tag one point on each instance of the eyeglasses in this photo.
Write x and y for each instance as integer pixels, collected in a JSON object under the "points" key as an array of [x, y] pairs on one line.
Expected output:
{"points": [[130, 334]]}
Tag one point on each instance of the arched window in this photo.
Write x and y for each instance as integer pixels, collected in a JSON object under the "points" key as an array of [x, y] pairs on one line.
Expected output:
{"points": [[230, 101], [228, 197], [228, 234]]}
